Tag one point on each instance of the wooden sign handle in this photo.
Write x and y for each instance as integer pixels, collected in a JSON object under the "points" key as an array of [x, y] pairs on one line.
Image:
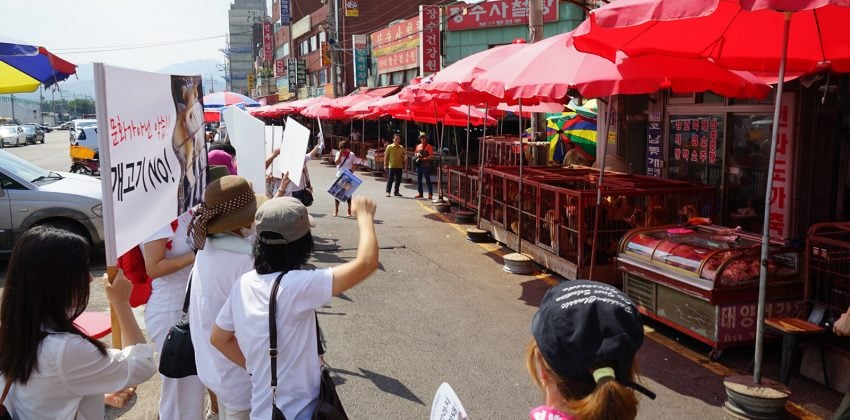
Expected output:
{"points": [[111, 272]]}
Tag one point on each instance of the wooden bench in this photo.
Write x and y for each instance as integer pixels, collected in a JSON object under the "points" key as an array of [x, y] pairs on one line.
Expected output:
{"points": [[792, 330]]}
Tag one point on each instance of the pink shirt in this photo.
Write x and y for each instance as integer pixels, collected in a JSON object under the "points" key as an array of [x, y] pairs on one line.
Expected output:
{"points": [[548, 413]]}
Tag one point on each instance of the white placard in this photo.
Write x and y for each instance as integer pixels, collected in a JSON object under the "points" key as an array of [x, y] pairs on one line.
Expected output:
{"points": [[245, 131], [321, 134], [152, 152], [277, 139], [269, 143], [292, 150], [446, 405]]}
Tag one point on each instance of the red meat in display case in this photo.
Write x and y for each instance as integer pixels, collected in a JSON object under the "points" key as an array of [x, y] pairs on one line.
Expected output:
{"points": [[703, 280]]}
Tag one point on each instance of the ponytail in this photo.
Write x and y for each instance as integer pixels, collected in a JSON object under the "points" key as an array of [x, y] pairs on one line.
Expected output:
{"points": [[586, 400], [609, 401]]}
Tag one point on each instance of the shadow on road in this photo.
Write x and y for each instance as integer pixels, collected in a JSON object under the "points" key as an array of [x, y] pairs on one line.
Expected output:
{"points": [[533, 291], [384, 383]]}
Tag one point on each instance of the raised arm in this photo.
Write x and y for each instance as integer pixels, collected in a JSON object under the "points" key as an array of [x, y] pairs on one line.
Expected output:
{"points": [[349, 274], [270, 159]]}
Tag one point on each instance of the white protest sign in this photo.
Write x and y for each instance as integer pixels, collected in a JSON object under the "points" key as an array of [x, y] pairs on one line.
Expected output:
{"points": [[269, 143], [292, 150], [245, 134], [277, 138], [446, 405], [152, 152], [321, 134]]}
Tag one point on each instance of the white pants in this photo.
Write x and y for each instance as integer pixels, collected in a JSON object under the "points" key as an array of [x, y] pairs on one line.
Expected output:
{"points": [[179, 398], [225, 414]]}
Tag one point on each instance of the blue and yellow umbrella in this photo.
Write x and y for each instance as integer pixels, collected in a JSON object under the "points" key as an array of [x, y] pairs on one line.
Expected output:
{"points": [[25, 67], [570, 127]]}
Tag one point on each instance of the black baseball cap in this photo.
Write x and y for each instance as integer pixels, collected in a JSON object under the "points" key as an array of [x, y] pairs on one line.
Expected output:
{"points": [[581, 324]]}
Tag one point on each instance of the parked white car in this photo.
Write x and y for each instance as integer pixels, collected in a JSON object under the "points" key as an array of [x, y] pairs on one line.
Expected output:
{"points": [[31, 196], [76, 125], [12, 135]]}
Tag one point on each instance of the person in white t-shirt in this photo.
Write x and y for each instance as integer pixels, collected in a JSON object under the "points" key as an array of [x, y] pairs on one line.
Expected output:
{"points": [[221, 231], [168, 261], [57, 371], [345, 161], [241, 331]]}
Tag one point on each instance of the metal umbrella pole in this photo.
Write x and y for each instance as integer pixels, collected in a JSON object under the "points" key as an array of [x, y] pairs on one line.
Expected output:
{"points": [[481, 155], [765, 238], [598, 210], [517, 262], [466, 154], [519, 197]]}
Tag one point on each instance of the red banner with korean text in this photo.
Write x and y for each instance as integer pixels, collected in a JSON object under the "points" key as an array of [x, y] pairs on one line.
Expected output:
{"points": [[496, 13], [783, 170], [268, 42], [429, 45], [279, 68]]}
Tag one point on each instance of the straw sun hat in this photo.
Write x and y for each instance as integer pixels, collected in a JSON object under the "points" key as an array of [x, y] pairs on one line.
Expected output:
{"points": [[229, 204]]}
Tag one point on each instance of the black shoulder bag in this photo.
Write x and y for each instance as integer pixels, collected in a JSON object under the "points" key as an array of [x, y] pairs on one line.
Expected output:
{"points": [[177, 358], [329, 406]]}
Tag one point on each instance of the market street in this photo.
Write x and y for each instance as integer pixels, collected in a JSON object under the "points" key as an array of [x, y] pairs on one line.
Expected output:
{"points": [[440, 309]]}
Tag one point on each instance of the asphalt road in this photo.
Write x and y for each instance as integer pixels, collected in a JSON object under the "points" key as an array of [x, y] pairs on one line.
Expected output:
{"points": [[440, 309]]}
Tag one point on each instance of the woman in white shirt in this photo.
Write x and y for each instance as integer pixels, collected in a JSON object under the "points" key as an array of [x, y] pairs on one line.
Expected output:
{"points": [[241, 331], [168, 261], [57, 371], [222, 235]]}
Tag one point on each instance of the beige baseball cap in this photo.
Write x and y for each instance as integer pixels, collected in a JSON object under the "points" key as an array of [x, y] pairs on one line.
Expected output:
{"points": [[284, 216]]}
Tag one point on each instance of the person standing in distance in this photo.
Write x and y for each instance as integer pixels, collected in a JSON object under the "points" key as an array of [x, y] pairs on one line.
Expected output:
{"points": [[394, 158], [422, 159]]}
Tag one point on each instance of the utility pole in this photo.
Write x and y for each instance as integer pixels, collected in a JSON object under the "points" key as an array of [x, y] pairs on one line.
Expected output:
{"points": [[535, 32], [333, 47], [41, 103]]}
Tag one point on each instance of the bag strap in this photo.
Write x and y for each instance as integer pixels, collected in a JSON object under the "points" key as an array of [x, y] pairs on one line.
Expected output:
{"points": [[273, 332], [186, 299], [320, 348]]}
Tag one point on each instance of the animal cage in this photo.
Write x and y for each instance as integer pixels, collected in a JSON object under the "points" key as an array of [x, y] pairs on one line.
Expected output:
{"points": [[559, 206]]}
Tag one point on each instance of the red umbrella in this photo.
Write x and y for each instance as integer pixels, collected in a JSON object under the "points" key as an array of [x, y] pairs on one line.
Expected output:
{"points": [[745, 34], [456, 78], [547, 69], [453, 116]]}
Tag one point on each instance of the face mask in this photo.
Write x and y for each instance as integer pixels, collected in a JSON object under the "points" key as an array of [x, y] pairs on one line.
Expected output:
{"points": [[248, 232]]}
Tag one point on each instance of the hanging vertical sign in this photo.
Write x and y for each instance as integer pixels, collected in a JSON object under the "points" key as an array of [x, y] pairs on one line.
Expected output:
{"points": [[654, 152], [292, 73], [250, 81], [780, 196], [268, 42], [280, 68], [352, 8], [429, 45], [326, 54], [361, 57], [285, 16]]}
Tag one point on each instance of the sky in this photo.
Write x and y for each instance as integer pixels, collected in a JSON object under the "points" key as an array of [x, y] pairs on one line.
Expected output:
{"points": [[83, 31]]}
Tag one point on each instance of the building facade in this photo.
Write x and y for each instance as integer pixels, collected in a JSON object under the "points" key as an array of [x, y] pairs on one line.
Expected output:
{"points": [[244, 17], [321, 34]]}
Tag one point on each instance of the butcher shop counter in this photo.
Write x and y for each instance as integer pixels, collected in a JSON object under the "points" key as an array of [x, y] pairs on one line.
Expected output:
{"points": [[703, 281]]}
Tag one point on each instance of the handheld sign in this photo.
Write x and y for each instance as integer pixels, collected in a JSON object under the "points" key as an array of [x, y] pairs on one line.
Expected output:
{"points": [[321, 134], [152, 151], [344, 187], [292, 150], [245, 132], [446, 405]]}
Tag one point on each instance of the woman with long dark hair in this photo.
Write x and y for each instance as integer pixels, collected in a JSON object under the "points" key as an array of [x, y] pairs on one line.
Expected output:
{"points": [[57, 371]]}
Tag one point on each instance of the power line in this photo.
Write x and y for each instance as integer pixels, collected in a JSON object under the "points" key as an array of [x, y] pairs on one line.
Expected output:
{"points": [[107, 48]]}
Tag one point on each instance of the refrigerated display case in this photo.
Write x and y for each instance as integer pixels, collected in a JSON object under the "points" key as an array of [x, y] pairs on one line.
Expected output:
{"points": [[703, 280]]}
